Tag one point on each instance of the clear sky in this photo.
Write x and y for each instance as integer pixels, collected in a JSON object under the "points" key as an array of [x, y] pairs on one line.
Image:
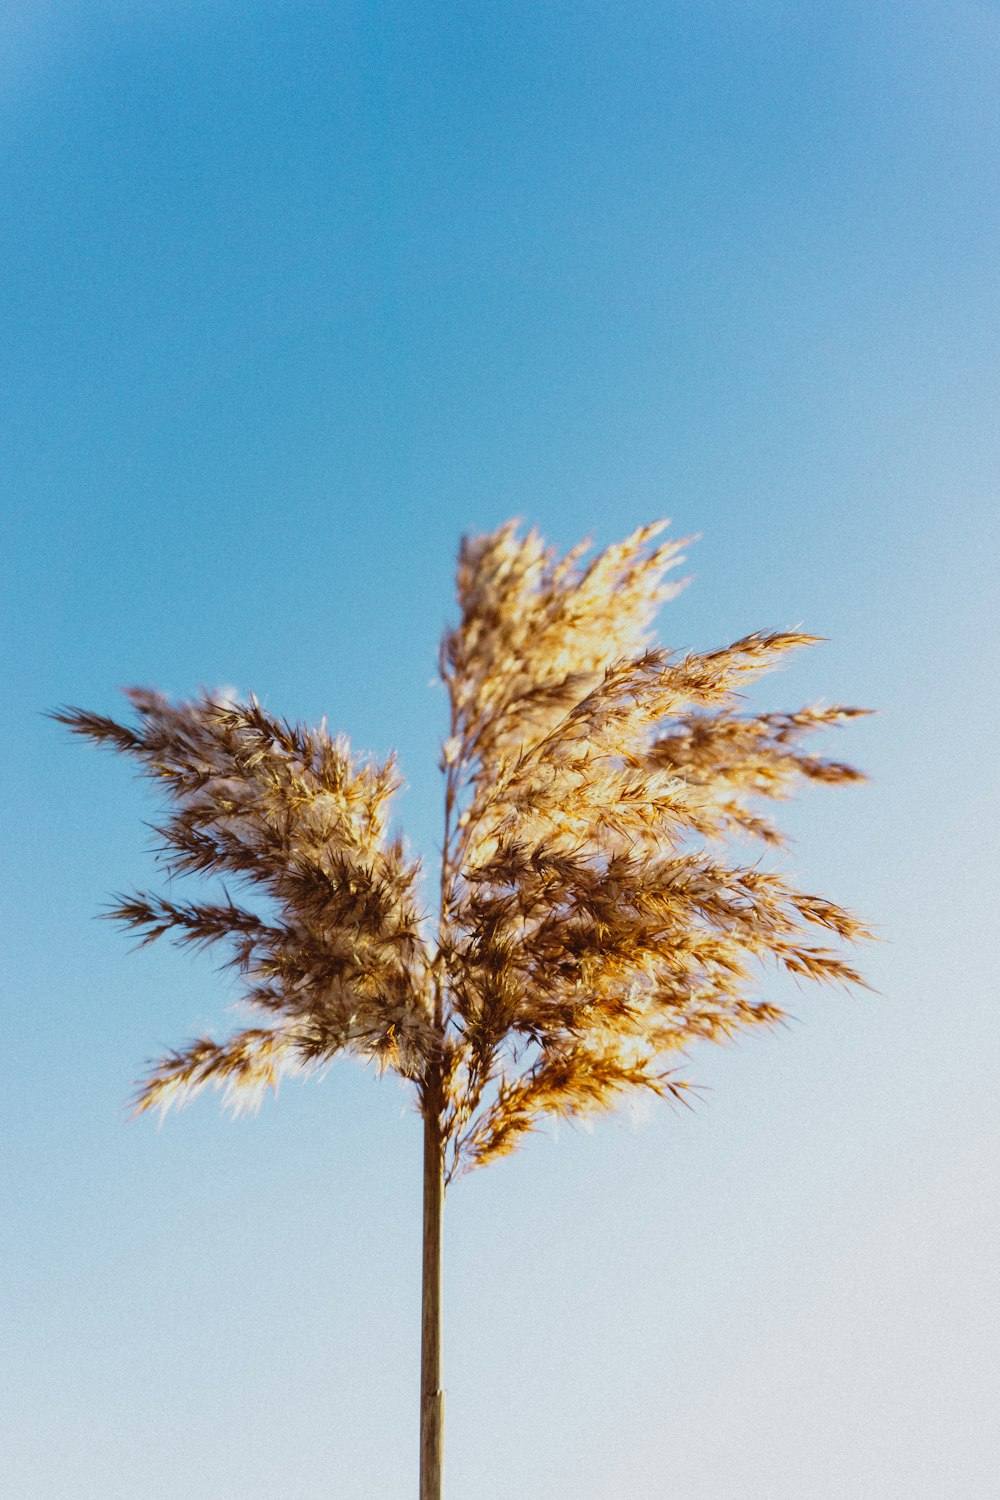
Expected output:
{"points": [[293, 295]]}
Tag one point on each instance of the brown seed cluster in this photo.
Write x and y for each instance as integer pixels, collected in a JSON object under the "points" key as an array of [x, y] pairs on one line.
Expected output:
{"points": [[594, 920]]}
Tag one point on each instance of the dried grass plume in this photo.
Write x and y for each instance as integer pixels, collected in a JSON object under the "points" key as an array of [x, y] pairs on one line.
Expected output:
{"points": [[593, 919]]}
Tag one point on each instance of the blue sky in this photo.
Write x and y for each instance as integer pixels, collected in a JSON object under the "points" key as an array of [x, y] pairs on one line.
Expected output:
{"points": [[294, 295]]}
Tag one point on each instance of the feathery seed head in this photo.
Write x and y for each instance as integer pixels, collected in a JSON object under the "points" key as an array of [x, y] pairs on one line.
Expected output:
{"points": [[589, 929]]}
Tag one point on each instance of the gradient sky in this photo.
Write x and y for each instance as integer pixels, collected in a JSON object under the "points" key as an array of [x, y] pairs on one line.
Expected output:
{"points": [[294, 294]]}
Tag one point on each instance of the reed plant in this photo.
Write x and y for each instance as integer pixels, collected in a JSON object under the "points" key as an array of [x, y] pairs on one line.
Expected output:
{"points": [[601, 907]]}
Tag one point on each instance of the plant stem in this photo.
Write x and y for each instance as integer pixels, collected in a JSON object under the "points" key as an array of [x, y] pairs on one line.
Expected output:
{"points": [[431, 1394]]}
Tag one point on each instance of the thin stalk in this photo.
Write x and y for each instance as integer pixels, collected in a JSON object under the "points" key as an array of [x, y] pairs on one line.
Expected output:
{"points": [[431, 1394], [432, 1107]]}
